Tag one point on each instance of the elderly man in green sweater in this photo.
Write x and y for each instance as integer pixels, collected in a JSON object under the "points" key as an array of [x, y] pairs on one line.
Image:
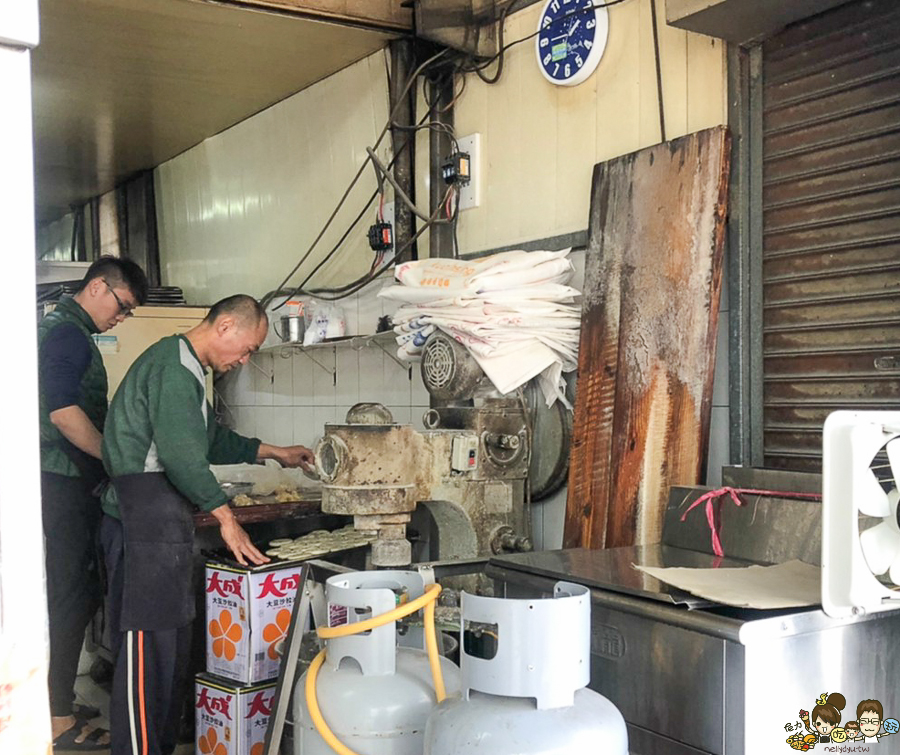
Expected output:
{"points": [[159, 440]]}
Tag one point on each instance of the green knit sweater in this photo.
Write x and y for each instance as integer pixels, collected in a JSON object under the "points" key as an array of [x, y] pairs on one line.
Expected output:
{"points": [[160, 421]]}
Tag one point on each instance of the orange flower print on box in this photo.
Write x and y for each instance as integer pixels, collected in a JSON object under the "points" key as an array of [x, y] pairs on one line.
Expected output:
{"points": [[210, 745], [225, 634], [257, 749], [277, 631]]}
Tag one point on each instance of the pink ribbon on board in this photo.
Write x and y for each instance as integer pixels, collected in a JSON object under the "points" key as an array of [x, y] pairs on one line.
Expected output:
{"points": [[715, 498]]}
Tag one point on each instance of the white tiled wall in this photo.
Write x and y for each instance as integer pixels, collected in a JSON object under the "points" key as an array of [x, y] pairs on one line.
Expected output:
{"points": [[287, 398]]}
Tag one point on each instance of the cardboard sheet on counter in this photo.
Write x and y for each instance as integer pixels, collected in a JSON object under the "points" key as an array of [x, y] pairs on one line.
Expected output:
{"points": [[790, 585]]}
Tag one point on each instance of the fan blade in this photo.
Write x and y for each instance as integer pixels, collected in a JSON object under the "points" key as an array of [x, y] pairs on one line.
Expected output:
{"points": [[893, 454], [880, 546], [894, 574], [872, 500]]}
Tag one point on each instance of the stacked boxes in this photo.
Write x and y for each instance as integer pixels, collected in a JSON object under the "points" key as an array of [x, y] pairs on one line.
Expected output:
{"points": [[248, 613], [231, 719]]}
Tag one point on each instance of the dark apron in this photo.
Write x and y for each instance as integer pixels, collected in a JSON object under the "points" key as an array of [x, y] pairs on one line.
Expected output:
{"points": [[158, 529]]}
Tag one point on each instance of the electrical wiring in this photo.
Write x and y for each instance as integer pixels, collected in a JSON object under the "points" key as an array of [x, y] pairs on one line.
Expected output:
{"points": [[456, 96], [384, 172], [289, 293], [454, 223], [398, 190], [480, 66], [496, 77], [441, 63], [433, 126], [360, 283], [412, 79]]}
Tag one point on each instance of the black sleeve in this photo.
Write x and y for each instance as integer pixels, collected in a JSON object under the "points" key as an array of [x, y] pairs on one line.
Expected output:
{"points": [[65, 355]]}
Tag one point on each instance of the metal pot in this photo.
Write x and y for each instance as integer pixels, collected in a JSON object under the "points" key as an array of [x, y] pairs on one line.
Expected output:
{"points": [[292, 328]]}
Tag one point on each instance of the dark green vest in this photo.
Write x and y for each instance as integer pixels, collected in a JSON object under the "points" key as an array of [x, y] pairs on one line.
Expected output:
{"points": [[93, 389]]}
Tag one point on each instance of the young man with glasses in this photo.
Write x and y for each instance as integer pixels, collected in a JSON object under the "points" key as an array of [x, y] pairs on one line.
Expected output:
{"points": [[73, 406]]}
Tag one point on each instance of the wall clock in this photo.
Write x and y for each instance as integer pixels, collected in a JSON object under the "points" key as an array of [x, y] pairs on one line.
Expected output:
{"points": [[571, 40]]}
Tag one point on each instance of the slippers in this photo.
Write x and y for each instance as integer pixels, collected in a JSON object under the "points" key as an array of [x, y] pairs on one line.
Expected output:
{"points": [[84, 712], [74, 740]]}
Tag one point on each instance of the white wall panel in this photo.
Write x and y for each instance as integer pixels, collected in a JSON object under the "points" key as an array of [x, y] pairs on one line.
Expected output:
{"points": [[541, 141], [237, 211]]}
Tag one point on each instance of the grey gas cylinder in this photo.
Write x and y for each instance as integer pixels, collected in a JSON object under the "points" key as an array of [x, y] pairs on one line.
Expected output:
{"points": [[374, 695], [530, 697]]}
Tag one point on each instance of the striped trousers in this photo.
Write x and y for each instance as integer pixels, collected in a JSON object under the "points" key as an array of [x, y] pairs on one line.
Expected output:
{"points": [[151, 668]]}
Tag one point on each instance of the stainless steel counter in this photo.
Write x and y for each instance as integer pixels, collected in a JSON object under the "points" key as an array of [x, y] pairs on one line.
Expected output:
{"points": [[691, 677]]}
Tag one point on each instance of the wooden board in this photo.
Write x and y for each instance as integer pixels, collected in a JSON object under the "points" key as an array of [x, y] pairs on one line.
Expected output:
{"points": [[651, 301]]}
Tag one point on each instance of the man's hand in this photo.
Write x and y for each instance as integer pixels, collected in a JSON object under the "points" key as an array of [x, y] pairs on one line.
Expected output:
{"points": [[288, 456], [236, 538], [75, 426]]}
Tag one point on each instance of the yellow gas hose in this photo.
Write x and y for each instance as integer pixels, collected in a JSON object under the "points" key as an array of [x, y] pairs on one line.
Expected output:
{"points": [[427, 600]]}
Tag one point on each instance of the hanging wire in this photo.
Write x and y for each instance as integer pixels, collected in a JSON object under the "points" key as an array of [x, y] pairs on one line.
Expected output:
{"points": [[361, 170]]}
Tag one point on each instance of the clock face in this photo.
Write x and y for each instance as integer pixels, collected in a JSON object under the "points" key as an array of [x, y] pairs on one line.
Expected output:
{"points": [[571, 41]]}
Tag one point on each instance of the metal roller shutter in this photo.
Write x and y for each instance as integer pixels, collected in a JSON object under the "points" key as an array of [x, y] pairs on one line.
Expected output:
{"points": [[831, 224]]}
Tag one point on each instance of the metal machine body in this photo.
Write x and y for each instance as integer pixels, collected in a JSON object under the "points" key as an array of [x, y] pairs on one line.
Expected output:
{"points": [[468, 468], [696, 678], [474, 491]]}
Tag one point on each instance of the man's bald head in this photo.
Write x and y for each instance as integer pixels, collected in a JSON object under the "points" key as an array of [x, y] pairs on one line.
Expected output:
{"points": [[234, 328], [244, 309]]}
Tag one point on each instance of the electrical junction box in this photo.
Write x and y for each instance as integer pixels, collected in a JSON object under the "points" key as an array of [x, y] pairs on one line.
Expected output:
{"points": [[470, 193], [381, 236], [456, 169], [464, 456]]}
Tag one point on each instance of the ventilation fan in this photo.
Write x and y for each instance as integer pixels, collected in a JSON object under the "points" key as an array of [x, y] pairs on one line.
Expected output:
{"points": [[860, 526], [449, 371]]}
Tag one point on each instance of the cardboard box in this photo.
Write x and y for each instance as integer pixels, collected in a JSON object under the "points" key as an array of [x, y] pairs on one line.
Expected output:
{"points": [[231, 716], [248, 612]]}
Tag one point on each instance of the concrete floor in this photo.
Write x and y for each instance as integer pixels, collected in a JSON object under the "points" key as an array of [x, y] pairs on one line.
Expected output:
{"points": [[87, 691]]}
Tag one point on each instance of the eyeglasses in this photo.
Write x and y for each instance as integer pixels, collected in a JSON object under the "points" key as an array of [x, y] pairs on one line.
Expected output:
{"points": [[124, 309], [873, 721]]}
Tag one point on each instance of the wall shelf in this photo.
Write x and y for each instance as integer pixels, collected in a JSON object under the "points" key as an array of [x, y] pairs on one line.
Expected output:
{"points": [[384, 341]]}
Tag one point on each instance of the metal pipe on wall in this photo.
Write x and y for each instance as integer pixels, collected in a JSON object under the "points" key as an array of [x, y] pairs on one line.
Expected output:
{"points": [[403, 142], [440, 237]]}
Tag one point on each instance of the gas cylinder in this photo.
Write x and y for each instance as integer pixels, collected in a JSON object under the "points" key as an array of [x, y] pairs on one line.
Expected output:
{"points": [[524, 692], [374, 696]]}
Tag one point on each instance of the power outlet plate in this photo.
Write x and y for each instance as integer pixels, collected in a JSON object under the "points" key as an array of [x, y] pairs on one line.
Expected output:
{"points": [[470, 194]]}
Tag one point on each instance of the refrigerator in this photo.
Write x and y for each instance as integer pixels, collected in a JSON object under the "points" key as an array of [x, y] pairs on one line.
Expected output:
{"points": [[128, 340]]}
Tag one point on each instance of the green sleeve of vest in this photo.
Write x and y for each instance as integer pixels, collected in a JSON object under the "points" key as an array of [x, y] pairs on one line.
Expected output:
{"points": [[226, 446], [180, 435]]}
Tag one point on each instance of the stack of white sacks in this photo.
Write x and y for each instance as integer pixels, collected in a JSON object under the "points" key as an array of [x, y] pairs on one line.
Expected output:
{"points": [[514, 312]]}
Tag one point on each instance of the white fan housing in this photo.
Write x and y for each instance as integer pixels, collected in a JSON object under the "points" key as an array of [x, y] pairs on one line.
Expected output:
{"points": [[852, 562]]}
